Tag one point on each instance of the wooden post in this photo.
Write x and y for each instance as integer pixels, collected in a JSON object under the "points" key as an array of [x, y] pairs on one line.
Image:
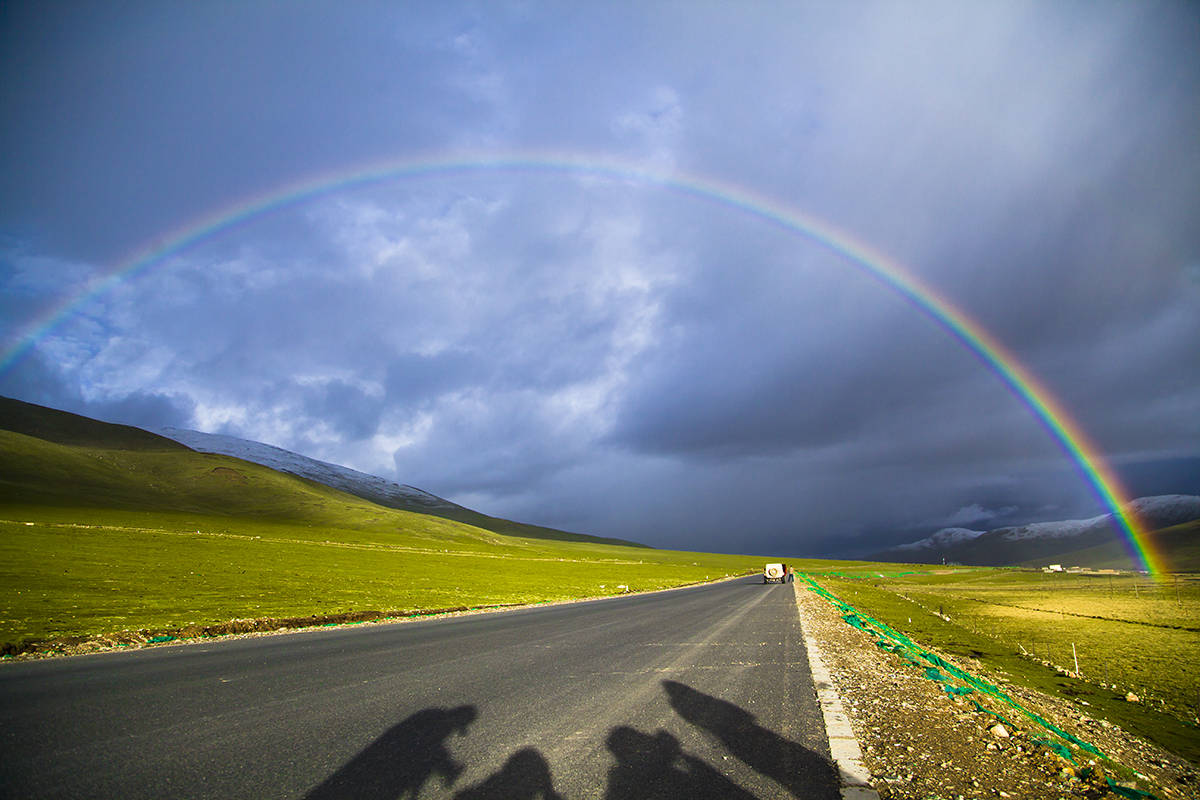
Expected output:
{"points": [[1075, 656]]}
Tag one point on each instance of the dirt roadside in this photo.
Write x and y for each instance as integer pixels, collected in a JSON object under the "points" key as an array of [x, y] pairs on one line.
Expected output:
{"points": [[921, 743]]}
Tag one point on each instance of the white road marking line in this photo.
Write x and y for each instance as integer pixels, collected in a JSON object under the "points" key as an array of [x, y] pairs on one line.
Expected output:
{"points": [[843, 746]]}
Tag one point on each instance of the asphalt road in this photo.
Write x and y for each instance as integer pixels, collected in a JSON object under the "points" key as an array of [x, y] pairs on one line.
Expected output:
{"points": [[696, 693]]}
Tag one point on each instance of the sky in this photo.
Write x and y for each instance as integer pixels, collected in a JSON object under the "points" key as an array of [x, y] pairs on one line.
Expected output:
{"points": [[598, 351]]}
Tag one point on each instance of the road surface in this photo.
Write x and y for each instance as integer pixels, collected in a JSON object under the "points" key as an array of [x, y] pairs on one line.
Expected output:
{"points": [[696, 693]]}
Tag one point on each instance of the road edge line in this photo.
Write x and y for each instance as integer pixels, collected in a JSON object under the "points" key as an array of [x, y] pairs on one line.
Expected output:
{"points": [[853, 775]]}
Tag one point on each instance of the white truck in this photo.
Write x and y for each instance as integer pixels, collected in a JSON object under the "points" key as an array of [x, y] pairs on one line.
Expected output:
{"points": [[777, 573]]}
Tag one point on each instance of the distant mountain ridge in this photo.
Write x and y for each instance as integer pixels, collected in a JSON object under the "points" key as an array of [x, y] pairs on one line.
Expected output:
{"points": [[1041, 540], [369, 487], [946, 537], [63, 427], [51, 457]]}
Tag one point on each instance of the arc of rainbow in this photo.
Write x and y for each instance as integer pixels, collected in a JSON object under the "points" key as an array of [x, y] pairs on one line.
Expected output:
{"points": [[1020, 381]]}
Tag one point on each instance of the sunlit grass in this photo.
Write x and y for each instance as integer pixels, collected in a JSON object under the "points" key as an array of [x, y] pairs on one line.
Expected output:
{"points": [[65, 579], [1129, 635]]}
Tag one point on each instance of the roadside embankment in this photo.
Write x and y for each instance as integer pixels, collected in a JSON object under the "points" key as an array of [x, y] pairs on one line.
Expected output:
{"points": [[920, 740]]}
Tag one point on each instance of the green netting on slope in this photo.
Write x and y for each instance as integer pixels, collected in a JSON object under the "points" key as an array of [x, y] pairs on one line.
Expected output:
{"points": [[1127, 791], [938, 669]]}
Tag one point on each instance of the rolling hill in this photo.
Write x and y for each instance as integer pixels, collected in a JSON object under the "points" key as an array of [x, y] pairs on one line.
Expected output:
{"points": [[119, 466], [1179, 544], [1090, 542], [62, 427], [369, 487], [106, 528]]}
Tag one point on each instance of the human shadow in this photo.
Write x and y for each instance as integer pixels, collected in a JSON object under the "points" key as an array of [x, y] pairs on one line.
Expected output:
{"points": [[803, 772], [525, 776], [656, 768], [402, 760]]}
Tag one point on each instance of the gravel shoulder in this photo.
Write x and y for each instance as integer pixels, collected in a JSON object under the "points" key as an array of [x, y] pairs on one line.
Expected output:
{"points": [[921, 743]]}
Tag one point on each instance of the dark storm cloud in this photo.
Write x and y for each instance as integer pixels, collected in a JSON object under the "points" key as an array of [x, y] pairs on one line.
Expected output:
{"points": [[413, 379], [153, 114], [34, 381], [1161, 476], [607, 356], [350, 411]]}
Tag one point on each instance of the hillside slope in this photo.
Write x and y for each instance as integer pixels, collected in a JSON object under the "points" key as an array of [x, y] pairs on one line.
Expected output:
{"points": [[62, 427], [114, 533], [181, 488], [369, 487], [1180, 544], [55, 458]]}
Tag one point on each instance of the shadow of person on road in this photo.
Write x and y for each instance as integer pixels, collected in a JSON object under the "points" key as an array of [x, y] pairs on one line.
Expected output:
{"points": [[525, 776], [402, 760], [656, 767], [803, 772]]}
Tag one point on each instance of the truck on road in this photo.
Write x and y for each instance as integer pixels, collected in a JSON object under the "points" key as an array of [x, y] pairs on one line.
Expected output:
{"points": [[777, 573]]}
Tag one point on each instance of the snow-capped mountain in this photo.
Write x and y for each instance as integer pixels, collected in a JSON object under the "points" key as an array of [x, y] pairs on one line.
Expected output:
{"points": [[369, 487], [1161, 511], [1021, 543], [943, 538], [1167, 509]]}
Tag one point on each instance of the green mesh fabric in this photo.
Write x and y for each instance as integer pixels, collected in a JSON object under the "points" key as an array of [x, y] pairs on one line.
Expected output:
{"points": [[1127, 791]]}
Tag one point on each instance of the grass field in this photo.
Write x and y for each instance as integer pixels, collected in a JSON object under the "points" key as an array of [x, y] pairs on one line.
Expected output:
{"points": [[75, 572], [1129, 634], [105, 528]]}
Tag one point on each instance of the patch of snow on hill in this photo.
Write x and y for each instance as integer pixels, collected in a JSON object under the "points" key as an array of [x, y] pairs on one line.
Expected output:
{"points": [[1161, 511], [1051, 530], [943, 538], [1167, 509], [347, 480]]}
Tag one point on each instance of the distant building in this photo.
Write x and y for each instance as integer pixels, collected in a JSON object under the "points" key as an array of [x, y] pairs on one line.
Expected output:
{"points": [[1054, 568]]}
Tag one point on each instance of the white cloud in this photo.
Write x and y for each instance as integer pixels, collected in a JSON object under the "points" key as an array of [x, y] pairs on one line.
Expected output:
{"points": [[656, 126]]}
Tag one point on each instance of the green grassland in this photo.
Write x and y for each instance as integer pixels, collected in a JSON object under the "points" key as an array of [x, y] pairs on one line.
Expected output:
{"points": [[1129, 633], [105, 528], [155, 571]]}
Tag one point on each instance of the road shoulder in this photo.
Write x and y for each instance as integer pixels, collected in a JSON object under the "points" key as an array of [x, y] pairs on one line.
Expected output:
{"points": [[918, 742], [854, 776]]}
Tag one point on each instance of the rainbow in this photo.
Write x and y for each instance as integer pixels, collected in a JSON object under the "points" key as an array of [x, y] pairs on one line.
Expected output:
{"points": [[1048, 411]]}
